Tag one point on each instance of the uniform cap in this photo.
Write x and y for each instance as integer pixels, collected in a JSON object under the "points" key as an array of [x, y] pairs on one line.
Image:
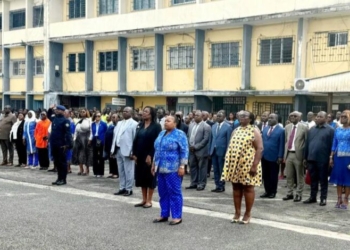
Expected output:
{"points": [[61, 107]]}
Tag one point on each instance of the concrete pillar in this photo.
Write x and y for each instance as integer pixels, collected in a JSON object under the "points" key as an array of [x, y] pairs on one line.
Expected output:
{"points": [[301, 43], [55, 67], [329, 102], [300, 104], [29, 68], [203, 103], [29, 13], [5, 16], [158, 62], [29, 102], [6, 100], [123, 7], [122, 49], [159, 4], [51, 98], [89, 65], [198, 65], [246, 56], [5, 69]]}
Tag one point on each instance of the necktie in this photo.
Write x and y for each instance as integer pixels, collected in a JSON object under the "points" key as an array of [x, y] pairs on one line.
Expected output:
{"points": [[218, 129], [270, 131], [291, 138]]}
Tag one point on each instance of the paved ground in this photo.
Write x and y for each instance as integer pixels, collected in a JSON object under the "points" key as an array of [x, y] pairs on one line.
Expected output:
{"points": [[85, 215]]}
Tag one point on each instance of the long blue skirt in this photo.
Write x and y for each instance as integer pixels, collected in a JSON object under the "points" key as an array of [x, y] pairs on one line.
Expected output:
{"points": [[340, 172]]}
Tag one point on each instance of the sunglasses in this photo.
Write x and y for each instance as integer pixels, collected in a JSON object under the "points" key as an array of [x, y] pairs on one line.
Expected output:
{"points": [[343, 116], [42, 114]]}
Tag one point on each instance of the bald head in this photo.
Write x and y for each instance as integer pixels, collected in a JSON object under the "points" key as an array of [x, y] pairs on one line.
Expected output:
{"points": [[127, 113], [310, 116], [198, 116]]}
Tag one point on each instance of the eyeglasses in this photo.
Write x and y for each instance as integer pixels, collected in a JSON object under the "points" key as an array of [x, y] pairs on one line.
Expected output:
{"points": [[293, 116]]}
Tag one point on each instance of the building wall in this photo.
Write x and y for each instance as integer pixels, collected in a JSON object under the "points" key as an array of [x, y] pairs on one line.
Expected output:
{"points": [[177, 79], [316, 68], [221, 78], [139, 80], [17, 83], [104, 81], [72, 81], [38, 82], [143, 101]]}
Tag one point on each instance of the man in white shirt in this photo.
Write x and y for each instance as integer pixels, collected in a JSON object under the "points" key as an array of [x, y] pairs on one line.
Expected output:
{"points": [[161, 117], [123, 137], [310, 120]]}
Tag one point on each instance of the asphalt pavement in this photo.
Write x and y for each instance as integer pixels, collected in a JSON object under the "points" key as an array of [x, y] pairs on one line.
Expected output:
{"points": [[86, 215]]}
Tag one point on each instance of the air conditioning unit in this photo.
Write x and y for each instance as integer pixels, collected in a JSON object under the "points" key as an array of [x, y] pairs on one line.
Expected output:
{"points": [[301, 84]]}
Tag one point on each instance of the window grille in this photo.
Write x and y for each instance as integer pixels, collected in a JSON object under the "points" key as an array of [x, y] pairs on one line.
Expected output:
{"points": [[337, 39], [181, 57], [38, 66], [108, 7], [72, 63], [76, 9], [81, 62], [18, 67], [143, 59], [38, 16], [17, 19], [108, 61], [225, 54], [143, 4], [178, 2], [276, 51]]}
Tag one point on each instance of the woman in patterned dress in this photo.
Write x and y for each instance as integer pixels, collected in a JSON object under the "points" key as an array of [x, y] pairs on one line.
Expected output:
{"points": [[242, 164]]}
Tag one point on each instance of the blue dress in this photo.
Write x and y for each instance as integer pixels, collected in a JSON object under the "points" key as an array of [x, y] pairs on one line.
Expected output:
{"points": [[28, 135], [341, 146]]}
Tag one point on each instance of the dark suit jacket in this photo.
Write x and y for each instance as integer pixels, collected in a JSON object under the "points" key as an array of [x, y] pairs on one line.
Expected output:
{"points": [[273, 143], [201, 139], [210, 123], [220, 141], [109, 139], [299, 142]]}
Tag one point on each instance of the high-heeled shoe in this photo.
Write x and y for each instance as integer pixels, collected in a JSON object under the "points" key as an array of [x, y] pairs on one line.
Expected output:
{"points": [[344, 205], [245, 222], [339, 202], [235, 220]]}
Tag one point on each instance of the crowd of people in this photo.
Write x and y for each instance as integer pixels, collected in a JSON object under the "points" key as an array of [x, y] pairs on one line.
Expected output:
{"points": [[152, 148]]}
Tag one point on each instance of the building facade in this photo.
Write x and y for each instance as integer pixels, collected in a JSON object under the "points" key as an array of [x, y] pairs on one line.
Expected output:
{"points": [[176, 54]]}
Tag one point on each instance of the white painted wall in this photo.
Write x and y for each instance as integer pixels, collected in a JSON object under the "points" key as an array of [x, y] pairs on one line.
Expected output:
{"points": [[17, 4]]}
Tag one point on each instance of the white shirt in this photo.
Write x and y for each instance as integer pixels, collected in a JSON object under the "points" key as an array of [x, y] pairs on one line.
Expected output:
{"points": [[311, 124], [162, 122], [194, 132], [295, 135]]}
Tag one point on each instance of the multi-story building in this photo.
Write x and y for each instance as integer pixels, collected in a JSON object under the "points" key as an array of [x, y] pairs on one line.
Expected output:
{"points": [[177, 54]]}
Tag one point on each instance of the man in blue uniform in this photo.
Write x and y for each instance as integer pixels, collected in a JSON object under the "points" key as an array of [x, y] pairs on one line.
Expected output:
{"points": [[60, 141]]}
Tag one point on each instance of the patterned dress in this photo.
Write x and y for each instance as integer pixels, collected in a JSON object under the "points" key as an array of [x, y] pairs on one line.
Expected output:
{"points": [[240, 157]]}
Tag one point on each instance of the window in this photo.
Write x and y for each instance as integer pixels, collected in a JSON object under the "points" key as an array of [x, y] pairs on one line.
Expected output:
{"points": [[76, 8], [108, 61], [18, 67], [143, 59], [181, 57], [38, 16], [144, 4], [17, 19], [175, 2], [225, 54], [276, 51], [0, 65], [38, 66], [337, 39], [72, 62], [0, 21], [108, 7]]}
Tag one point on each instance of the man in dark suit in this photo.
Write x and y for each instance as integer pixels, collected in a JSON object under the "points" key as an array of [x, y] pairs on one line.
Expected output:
{"points": [[218, 143], [198, 137], [273, 139], [205, 115], [295, 140], [264, 123]]}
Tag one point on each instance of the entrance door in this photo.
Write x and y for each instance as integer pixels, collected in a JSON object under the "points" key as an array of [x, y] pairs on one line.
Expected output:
{"points": [[18, 104], [283, 111], [185, 108]]}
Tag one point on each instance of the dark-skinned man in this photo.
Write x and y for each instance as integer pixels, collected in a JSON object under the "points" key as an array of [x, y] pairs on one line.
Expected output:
{"points": [[273, 140], [60, 142], [317, 150], [264, 121]]}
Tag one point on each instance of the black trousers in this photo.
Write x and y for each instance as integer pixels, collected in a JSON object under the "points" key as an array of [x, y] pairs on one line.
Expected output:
{"points": [[7, 146], [319, 174], [43, 156], [209, 165], [60, 162], [21, 152], [270, 170], [98, 161], [113, 166]]}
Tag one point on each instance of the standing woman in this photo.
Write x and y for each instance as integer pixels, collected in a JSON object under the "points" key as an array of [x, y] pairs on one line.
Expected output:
{"points": [[231, 118], [170, 158], [82, 152], [340, 160], [16, 138], [143, 151], [242, 165], [29, 140], [97, 139]]}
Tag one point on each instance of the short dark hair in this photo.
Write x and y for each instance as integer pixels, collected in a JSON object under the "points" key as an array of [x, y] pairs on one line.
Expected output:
{"points": [[251, 117]]}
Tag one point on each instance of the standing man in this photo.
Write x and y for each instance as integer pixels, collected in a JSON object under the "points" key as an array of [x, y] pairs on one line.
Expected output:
{"points": [[60, 142], [198, 137], [8, 119], [41, 135], [113, 167], [318, 148], [123, 138], [161, 117], [273, 140], [263, 124], [295, 139], [218, 143], [310, 120], [205, 115]]}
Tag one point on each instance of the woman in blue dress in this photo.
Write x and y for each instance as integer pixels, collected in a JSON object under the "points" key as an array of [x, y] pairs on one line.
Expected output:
{"points": [[340, 160], [29, 141], [170, 158]]}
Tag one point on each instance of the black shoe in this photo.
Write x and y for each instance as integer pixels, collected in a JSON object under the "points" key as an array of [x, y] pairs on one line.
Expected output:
{"points": [[272, 196], [18, 165], [52, 170], [128, 193], [41, 168], [288, 197], [174, 223], [192, 187], [120, 192], [323, 202], [221, 190], [310, 200], [265, 195], [60, 183], [160, 220], [297, 198], [216, 190], [200, 188], [55, 183]]}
